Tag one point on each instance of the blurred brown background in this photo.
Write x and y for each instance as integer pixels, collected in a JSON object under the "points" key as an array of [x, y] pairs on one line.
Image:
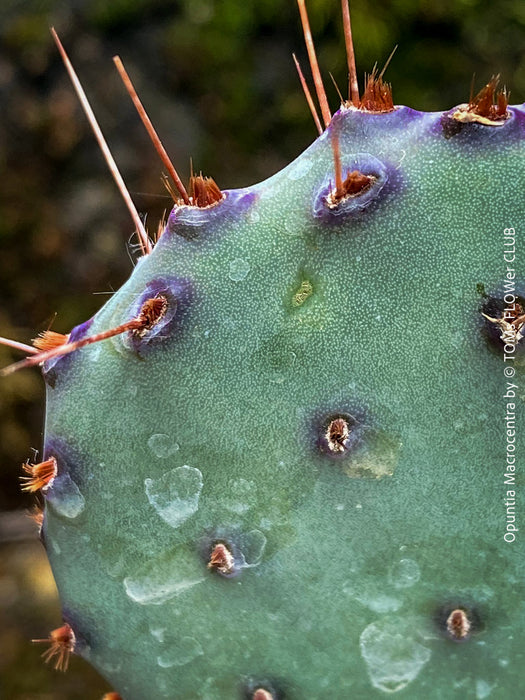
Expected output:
{"points": [[219, 84]]}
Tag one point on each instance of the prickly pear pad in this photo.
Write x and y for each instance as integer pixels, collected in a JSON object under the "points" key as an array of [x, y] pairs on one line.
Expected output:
{"points": [[343, 561]]}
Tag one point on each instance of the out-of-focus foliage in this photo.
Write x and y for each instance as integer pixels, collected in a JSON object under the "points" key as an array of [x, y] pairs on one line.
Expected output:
{"points": [[218, 81]]}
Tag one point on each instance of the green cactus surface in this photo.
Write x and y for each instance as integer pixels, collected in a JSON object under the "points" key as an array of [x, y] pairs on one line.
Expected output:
{"points": [[323, 399]]}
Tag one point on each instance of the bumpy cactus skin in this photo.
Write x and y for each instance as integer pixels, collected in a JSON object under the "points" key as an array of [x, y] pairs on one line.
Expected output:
{"points": [[284, 314]]}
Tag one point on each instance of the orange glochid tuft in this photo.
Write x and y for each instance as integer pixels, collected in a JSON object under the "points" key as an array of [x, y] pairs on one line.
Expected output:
{"points": [[49, 340], [151, 312], [458, 625], [377, 95], [61, 644], [490, 102], [204, 191], [40, 476], [262, 694], [221, 559]]}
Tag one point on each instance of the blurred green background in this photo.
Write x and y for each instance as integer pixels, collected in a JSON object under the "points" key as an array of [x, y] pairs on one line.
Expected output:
{"points": [[219, 83]]}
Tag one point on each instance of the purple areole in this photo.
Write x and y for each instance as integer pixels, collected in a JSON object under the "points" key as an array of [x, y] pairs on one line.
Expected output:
{"points": [[49, 368], [190, 222], [178, 295], [351, 205]]}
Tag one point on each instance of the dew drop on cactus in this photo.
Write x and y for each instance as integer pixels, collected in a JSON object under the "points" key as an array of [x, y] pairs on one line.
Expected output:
{"points": [[278, 448]]}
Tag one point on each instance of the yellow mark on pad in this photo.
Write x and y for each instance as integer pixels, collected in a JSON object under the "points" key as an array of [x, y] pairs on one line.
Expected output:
{"points": [[301, 295]]}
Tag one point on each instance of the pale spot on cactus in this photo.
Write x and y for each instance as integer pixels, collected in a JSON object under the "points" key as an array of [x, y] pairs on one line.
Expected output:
{"points": [[404, 573], [165, 578], [180, 653], [239, 270], [175, 494], [300, 169], [64, 497], [392, 655], [162, 445], [376, 456]]}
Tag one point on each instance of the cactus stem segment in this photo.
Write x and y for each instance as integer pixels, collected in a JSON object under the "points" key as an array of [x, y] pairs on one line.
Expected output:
{"points": [[41, 475], [221, 559], [145, 243], [151, 129], [337, 435], [458, 625], [61, 644], [49, 340], [318, 81], [262, 694], [488, 107], [150, 313], [353, 87], [308, 96]]}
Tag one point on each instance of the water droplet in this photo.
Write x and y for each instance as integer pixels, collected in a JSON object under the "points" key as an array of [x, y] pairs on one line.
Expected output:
{"points": [[162, 445], [239, 269], [158, 633], [483, 689], [254, 216], [64, 497], [116, 566], [252, 546], [404, 573], [392, 655], [163, 579], [241, 496], [182, 652], [175, 494], [368, 595], [300, 168], [56, 547]]}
